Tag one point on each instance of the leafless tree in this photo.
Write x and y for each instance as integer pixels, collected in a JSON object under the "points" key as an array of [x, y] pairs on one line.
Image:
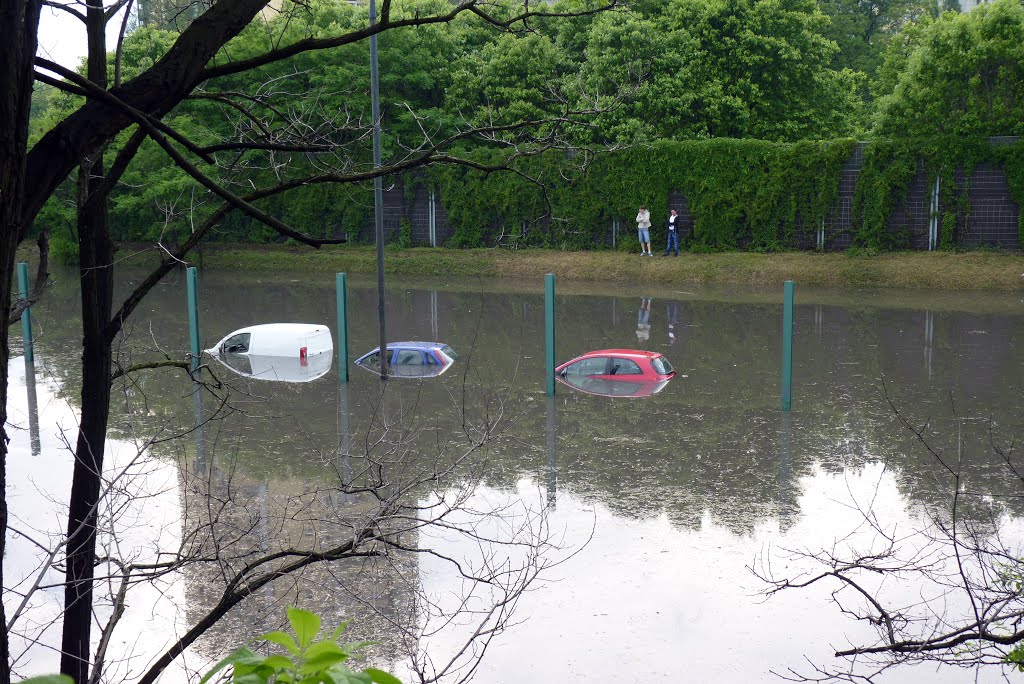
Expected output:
{"points": [[346, 542], [948, 592], [28, 177]]}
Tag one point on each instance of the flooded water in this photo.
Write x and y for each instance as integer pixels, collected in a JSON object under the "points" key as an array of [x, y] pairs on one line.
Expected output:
{"points": [[641, 528]]}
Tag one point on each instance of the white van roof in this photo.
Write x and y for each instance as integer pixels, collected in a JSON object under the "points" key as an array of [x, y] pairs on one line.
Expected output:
{"points": [[283, 339]]}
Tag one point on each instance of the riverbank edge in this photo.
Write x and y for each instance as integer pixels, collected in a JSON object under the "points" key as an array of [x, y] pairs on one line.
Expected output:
{"points": [[997, 271]]}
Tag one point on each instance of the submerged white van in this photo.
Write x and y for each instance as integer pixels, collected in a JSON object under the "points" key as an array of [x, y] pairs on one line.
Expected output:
{"points": [[288, 352], [277, 339]]}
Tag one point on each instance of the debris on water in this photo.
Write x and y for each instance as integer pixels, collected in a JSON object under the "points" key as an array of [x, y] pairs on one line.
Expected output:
{"points": [[621, 438]]}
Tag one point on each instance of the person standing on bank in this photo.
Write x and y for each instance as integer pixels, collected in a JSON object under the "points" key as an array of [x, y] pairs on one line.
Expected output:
{"points": [[673, 233], [643, 229]]}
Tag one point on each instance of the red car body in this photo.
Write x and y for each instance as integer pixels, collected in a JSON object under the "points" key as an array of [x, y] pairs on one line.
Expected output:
{"points": [[617, 373]]}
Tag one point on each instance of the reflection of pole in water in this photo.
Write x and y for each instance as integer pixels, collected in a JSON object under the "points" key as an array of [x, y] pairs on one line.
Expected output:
{"points": [[33, 407], [785, 506], [433, 316], [552, 457], [345, 434], [201, 465], [929, 334], [819, 319]]}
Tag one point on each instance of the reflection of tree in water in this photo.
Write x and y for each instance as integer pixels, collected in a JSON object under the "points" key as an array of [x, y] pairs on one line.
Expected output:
{"points": [[250, 519], [367, 489], [707, 442]]}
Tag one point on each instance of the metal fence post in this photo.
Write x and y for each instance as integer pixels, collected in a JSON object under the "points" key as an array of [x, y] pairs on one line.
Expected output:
{"points": [[787, 345], [341, 285], [192, 280], [549, 332], [26, 315], [432, 218]]}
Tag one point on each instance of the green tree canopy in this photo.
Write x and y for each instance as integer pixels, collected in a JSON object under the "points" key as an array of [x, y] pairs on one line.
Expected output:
{"points": [[722, 68], [959, 74]]}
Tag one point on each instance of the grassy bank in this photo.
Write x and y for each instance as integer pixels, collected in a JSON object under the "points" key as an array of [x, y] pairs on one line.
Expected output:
{"points": [[936, 270]]}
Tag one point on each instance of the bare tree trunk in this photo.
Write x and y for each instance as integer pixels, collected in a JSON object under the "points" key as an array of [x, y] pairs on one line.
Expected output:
{"points": [[19, 20], [96, 258]]}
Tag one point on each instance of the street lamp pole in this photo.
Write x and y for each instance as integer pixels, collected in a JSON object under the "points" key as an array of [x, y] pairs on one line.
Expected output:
{"points": [[378, 191]]}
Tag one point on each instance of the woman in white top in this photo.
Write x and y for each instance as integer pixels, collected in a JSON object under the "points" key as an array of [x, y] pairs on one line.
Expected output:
{"points": [[643, 228]]}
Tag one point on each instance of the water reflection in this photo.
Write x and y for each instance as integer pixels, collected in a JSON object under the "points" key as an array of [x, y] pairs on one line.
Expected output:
{"points": [[143, 490], [618, 387], [680, 490], [552, 437], [33, 406], [278, 368], [643, 323], [672, 318]]}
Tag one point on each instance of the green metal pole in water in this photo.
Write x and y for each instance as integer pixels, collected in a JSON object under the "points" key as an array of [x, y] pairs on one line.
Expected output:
{"points": [[549, 331], [787, 345], [192, 279], [342, 288], [26, 315]]}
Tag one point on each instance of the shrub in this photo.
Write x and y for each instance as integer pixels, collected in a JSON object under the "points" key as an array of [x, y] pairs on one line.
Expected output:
{"points": [[308, 661]]}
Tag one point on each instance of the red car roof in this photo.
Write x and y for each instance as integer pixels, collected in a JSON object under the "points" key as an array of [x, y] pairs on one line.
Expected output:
{"points": [[621, 352]]}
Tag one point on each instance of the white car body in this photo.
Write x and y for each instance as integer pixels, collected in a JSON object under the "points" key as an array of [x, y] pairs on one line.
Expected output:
{"points": [[285, 352], [277, 339]]}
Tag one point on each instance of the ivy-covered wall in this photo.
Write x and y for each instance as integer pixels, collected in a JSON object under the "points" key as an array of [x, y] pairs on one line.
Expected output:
{"points": [[737, 194]]}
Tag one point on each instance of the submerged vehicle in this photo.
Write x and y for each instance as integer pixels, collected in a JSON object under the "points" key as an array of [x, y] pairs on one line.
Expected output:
{"points": [[285, 352], [617, 373], [411, 359]]}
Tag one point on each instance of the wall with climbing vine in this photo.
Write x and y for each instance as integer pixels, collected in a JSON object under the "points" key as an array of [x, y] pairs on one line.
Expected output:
{"points": [[741, 194], [738, 194]]}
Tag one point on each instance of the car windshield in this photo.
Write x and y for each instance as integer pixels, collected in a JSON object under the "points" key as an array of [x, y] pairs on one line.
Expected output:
{"points": [[661, 365], [449, 352]]}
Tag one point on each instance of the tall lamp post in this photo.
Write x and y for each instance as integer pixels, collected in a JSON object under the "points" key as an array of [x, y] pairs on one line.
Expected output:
{"points": [[378, 190]]}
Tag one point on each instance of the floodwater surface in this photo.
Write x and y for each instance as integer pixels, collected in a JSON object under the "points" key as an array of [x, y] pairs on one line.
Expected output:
{"points": [[642, 529]]}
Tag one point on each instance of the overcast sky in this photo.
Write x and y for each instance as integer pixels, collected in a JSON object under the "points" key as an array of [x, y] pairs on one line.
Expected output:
{"points": [[62, 37]]}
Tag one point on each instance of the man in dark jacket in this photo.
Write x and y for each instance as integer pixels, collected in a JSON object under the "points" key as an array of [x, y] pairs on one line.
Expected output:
{"points": [[673, 233]]}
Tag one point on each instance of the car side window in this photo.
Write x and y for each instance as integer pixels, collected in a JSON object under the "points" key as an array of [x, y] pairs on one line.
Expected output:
{"points": [[236, 344], [624, 367], [586, 367], [409, 357]]}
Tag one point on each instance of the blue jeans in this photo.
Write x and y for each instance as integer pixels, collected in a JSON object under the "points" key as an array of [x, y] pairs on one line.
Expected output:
{"points": [[673, 243], [644, 235]]}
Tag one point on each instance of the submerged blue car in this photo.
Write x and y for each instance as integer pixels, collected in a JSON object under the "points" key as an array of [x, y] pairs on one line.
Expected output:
{"points": [[411, 359]]}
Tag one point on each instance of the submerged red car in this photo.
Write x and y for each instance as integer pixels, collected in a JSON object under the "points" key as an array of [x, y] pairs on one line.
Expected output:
{"points": [[617, 373]]}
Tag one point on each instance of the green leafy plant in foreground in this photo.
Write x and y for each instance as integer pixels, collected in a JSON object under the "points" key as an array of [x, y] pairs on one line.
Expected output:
{"points": [[308, 661]]}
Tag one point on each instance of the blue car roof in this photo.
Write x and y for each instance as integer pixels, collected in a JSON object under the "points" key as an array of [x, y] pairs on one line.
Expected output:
{"points": [[415, 345], [419, 346]]}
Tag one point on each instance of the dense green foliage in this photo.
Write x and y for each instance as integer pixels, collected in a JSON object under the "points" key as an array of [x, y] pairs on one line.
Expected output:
{"points": [[863, 29], [725, 68], [958, 75], [724, 102], [742, 193]]}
